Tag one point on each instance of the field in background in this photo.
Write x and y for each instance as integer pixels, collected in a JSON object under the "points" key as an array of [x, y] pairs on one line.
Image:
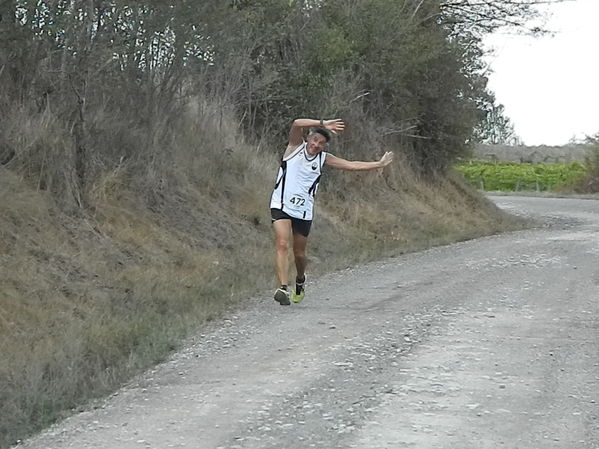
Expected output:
{"points": [[522, 177]]}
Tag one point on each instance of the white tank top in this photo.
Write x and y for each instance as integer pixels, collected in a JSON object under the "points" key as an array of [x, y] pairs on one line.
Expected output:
{"points": [[297, 183]]}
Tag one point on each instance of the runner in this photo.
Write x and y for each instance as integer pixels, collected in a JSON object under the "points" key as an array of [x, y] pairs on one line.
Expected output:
{"points": [[292, 200]]}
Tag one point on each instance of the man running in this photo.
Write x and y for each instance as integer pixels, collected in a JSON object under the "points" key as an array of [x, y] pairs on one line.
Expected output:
{"points": [[292, 200]]}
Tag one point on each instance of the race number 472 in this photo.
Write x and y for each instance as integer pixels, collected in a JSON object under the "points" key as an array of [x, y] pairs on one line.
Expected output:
{"points": [[297, 201]]}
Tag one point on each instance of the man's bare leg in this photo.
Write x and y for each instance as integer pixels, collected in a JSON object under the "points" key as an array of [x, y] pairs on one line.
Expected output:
{"points": [[282, 230], [299, 253], [301, 260]]}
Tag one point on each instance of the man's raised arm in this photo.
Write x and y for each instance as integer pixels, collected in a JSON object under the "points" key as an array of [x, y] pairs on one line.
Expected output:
{"points": [[296, 134]]}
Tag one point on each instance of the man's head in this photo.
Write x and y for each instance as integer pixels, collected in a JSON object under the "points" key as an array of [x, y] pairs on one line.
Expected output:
{"points": [[317, 141]]}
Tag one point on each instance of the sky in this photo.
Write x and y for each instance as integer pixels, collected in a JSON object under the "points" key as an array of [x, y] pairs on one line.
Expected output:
{"points": [[549, 85]]}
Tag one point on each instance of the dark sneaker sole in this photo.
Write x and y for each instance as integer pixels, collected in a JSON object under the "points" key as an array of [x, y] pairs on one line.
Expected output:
{"points": [[282, 298]]}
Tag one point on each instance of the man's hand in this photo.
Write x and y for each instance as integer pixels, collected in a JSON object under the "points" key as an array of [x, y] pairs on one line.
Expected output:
{"points": [[386, 159], [335, 125]]}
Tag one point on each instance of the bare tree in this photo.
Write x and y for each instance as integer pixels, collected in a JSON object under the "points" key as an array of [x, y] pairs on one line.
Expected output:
{"points": [[479, 17]]}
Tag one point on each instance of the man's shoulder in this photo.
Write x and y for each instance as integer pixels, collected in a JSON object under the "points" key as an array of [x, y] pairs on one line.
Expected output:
{"points": [[292, 150], [294, 147]]}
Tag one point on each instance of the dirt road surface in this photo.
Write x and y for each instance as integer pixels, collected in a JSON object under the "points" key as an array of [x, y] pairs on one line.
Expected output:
{"points": [[490, 343]]}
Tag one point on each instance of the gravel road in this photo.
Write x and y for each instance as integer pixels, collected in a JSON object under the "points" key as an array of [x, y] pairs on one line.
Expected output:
{"points": [[488, 343]]}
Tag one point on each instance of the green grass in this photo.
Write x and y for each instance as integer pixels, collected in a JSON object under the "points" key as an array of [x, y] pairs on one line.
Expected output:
{"points": [[511, 176]]}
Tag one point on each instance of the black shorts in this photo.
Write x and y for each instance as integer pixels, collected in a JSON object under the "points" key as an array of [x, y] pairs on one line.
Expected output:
{"points": [[299, 226]]}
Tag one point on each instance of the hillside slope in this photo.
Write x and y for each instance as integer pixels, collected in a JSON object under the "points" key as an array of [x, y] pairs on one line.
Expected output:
{"points": [[93, 297]]}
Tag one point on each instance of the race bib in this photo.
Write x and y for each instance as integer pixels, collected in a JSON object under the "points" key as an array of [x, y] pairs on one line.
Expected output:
{"points": [[297, 202]]}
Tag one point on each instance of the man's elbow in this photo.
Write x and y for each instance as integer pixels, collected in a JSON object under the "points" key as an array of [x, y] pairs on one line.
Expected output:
{"points": [[297, 123]]}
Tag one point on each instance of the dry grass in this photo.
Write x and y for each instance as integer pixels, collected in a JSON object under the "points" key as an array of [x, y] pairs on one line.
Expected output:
{"points": [[91, 298]]}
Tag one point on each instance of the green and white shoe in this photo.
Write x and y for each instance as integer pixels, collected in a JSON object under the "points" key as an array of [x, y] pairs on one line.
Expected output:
{"points": [[282, 296], [298, 293]]}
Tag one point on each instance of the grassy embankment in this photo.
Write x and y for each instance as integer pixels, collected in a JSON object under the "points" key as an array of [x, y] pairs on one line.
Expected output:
{"points": [[92, 297]]}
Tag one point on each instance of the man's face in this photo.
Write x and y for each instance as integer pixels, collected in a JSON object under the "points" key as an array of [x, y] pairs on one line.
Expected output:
{"points": [[316, 144]]}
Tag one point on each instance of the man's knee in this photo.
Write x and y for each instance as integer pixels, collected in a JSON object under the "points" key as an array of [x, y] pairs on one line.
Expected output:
{"points": [[281, 244], [299, 252]]}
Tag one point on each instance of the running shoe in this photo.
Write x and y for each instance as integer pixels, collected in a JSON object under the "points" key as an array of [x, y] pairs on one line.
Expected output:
{"points": [[282, 296], [298, 292]]}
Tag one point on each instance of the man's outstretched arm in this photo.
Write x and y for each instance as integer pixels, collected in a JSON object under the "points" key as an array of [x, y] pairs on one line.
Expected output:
{"points": [[343, 164]]}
